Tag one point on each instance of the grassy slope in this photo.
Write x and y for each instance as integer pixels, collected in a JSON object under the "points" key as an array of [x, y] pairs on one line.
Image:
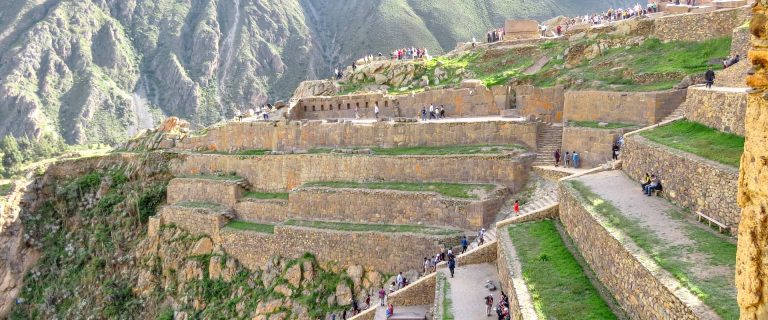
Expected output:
{"points": [[266, 195], [251, 226], [363, 227], [558, 286], [716, 291], [700, 140], [456, 190]]}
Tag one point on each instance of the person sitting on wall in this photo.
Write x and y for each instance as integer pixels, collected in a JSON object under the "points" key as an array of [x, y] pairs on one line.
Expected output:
{"points": [[731, 61], [654, 185], [646, 181]]}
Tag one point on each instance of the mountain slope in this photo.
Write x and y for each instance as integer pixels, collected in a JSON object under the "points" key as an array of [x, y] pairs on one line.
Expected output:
{"points": [[101, 70]]}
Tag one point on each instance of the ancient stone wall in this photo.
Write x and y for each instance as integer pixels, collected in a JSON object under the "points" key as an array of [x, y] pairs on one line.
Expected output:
{"points": [[462, 102], [751, 259], [304, 136], [281, 173], [689, 181], [594, 145], [398, 207], [420, 292], [209, 190], [627, 272], [386, 252], [544, 103], [196, 221], [740, 42], [262, 210], [699, 27], [511, 279], [643, 108], [722, 110], [549, 212]]}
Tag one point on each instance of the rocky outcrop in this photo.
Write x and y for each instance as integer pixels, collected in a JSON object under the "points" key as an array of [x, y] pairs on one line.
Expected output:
{"points": [[751, 260]]}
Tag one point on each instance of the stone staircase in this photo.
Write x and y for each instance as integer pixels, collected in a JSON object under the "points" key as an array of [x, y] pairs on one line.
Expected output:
{"points": [[543, 202], [678, 113], [549, 139]]}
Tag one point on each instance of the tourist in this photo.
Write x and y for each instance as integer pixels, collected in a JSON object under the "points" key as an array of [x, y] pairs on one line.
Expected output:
{"points": [[354, 66], [355, 307], [567, 159], [357, 112], [481, 236], [646, 181], [451, 265], [442, 112], [615, 151], [423, 113], [376, 111], [731, 61], [709, 76], [488, 305], [382, 296], [368, 301], [464, 244], [431, 111], [390, 311], [576, 160], [392, 287], [400, 280], [426, 266], [517, 207], [557, 157], [654, 185]]}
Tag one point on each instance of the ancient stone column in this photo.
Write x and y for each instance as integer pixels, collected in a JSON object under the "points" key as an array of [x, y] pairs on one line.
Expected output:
{"points": [[752, 254]]}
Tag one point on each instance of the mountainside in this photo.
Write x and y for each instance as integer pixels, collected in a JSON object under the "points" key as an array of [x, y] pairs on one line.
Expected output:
{"points": [[101, 70]]}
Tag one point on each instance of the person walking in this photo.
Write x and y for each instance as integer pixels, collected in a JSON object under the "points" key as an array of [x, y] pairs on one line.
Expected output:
{"points": [[567, 159], [376, 111], [431, 111], [517, 207], [451, 265], [615, 151], [426, 266], [382, 296], [423, 114], [481, 236], [557, 157], [464, 244], [709, 76], [488, 305], [576, 160]]}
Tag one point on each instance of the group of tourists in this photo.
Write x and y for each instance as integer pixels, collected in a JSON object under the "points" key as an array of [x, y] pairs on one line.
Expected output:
{"points": [[650, 184], [495, 35], [430, 264], [569, 159], [409, 53], [262, 111], [614, 14], [433, 113], [502, 308]]}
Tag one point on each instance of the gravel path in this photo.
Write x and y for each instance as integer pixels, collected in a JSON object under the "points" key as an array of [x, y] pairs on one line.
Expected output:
{"points": [[468, 290]]}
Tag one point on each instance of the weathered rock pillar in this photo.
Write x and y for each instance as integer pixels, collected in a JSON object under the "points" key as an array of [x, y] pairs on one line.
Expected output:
{"points": [[752, 254]]}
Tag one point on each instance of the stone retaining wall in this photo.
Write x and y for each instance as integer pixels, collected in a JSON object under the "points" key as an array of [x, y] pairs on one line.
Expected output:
{"points": [[281, 173], [699, 27], [208, 190], [549, 212], [594, 145], [397, 207], [196, 221], [262, 210], [724, 111], [544, 103], [386, 252], [463, 102], [644, 108], [511, 279], [637, 283], [689, 181], [420, 292], [314, 134]]}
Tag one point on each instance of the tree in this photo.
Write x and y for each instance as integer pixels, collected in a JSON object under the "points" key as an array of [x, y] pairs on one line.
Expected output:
{"points": [[12, 156]]}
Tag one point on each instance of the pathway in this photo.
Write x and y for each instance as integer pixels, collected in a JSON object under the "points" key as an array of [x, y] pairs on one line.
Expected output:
{"points": [[673, 236], [403, 313], [468, 290]]}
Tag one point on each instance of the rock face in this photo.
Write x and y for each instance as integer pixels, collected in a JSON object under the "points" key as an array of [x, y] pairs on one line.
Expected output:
{"points": [[102, 70], [751, 260]]}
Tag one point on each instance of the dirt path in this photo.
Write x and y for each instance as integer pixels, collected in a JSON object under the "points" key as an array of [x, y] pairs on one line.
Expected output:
{"points": [[468, 290]]}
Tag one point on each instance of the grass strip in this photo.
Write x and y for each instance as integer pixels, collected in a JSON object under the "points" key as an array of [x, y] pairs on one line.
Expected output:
{"points": [[200, 205], [558, 286], [698, 139], [717, 292], [251, 226], [266, 195], [435, 151], [365, 227], [217, 177], [447, 301], [454, 190], [5, 189]]}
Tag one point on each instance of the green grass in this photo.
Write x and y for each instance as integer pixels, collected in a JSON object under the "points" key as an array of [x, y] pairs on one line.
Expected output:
{"points": [[447, 301], [218, 177], [250, 226], [364, 227], [717, 292], [266, 195], [454, 190], [5, 189], [596, 124], [692, 137], [558, 285], [200, 205]]}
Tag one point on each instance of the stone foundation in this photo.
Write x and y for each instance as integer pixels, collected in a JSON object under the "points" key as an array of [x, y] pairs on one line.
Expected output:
{"points": [[689, 181], [543, 103], [281, 173], [721, 110]]}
